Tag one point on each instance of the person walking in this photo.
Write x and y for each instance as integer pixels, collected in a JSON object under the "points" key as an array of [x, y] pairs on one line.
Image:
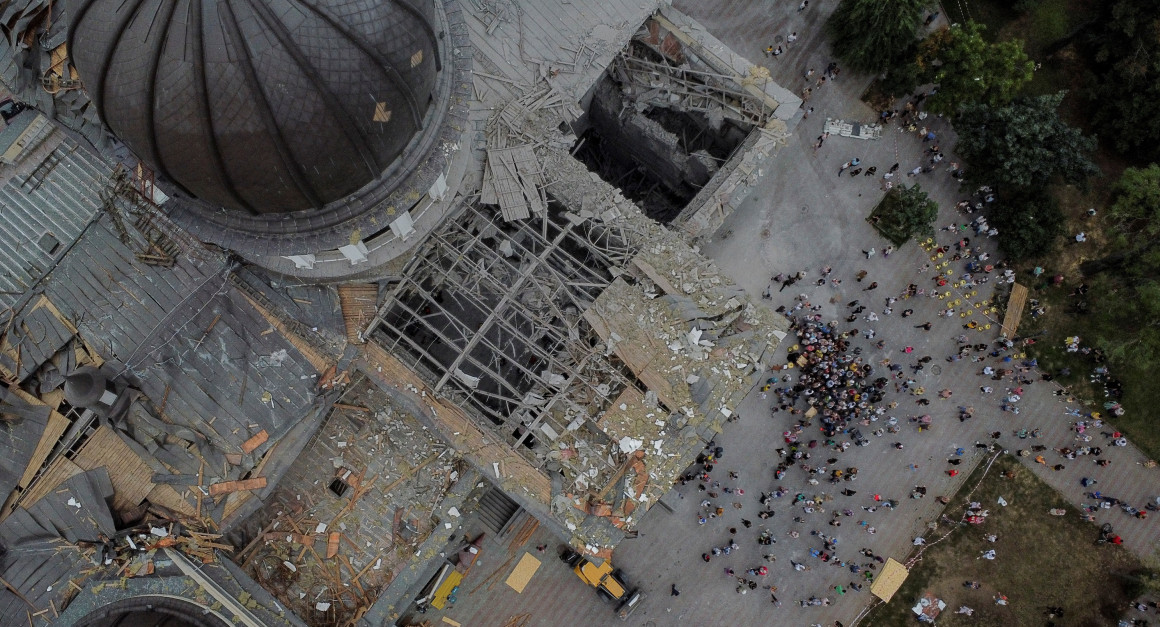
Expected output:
{"points": [[674, 592]]}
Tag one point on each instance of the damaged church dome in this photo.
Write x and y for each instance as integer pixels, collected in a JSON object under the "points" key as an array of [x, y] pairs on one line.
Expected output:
{"points": [[260, 106]]}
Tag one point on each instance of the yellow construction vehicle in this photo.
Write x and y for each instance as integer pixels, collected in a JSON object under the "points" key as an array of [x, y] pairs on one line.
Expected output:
{"points": [[608, 581]]}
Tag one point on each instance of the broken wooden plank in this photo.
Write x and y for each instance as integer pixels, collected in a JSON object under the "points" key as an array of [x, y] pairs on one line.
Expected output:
{"points": [[227, 487], [254, 442]]}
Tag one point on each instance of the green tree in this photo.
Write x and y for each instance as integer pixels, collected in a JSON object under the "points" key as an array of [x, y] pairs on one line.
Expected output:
{"points": [[1029, 224], [1024, 144], [968, 70], [1129, 332], [1133, 251], [873, 35], [903, 213], [1125, 48], [1135, 207]]}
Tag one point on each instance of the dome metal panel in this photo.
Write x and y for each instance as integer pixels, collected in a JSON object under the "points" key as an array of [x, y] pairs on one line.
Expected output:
{"points": [[266, 106]]}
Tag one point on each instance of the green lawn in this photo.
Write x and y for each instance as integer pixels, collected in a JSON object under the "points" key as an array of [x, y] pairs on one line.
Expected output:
{"points": [[1042, 560]]}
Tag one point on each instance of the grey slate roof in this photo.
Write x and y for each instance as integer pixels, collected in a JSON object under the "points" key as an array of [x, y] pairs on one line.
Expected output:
{"points": [[186, 337], [35, 560], [60, 203], [38, 335], [10, 132], [19, 434]]}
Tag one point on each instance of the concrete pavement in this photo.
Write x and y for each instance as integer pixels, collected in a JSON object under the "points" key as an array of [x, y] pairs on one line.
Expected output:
{"points": [[805, 217]]}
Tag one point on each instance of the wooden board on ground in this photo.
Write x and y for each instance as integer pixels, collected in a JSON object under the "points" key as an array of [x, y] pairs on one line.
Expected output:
{"points": [[1014, 310], [523, 572], [889, 580]]}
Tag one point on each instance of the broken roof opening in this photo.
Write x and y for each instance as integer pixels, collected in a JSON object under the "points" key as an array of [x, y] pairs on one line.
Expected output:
{"points": [[338, 486], [659, 131], [498, 324]]}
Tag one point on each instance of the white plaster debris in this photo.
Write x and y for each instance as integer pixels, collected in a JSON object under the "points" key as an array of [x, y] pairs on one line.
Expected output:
{"points": [[629, 445]]}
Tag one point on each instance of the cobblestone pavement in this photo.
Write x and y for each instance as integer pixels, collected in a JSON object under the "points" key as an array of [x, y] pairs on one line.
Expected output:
{"points": [[803, 217]]}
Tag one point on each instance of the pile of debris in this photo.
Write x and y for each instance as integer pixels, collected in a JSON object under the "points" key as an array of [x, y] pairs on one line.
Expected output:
{"points": [[696, 341], [363, 495]]}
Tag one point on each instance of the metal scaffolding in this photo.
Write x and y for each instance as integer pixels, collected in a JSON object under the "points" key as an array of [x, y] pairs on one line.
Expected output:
{"points": [[489, 312]]}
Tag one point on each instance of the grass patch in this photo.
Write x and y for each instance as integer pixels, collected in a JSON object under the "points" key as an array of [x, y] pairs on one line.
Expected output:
{"points": [[1141, 394], [1043, 560]]}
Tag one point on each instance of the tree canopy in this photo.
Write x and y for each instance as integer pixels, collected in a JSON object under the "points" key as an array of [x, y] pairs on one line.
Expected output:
{"points": [[903, 213], [1136, 205], [873, 35], [968, 70], [1024, 144], [1125, 90], [1029, 224]]}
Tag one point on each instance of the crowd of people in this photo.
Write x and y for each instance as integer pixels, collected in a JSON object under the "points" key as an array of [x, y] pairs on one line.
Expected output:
{"points": [[837, 392]]}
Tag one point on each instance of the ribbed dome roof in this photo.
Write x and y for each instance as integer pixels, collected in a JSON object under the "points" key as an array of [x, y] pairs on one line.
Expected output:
{"points": [[259, 105]]}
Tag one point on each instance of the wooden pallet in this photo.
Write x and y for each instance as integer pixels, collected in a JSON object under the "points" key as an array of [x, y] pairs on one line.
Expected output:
{"points": [[1015, 306]]}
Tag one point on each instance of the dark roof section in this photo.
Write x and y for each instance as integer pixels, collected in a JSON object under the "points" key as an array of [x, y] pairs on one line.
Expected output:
{"points": [[57, 196], [23, 426], [267, 106], [188, 336], [34, 561]]}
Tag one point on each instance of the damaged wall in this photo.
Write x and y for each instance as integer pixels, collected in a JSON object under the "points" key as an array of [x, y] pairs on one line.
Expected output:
{"points": [[637, 138]]}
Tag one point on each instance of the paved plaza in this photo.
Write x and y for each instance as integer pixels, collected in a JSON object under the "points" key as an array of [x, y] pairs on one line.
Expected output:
{"points": [[804, 217]]}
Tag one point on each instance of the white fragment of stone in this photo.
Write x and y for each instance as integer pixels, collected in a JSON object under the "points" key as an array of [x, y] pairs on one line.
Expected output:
{"points": [[629, 445]]}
